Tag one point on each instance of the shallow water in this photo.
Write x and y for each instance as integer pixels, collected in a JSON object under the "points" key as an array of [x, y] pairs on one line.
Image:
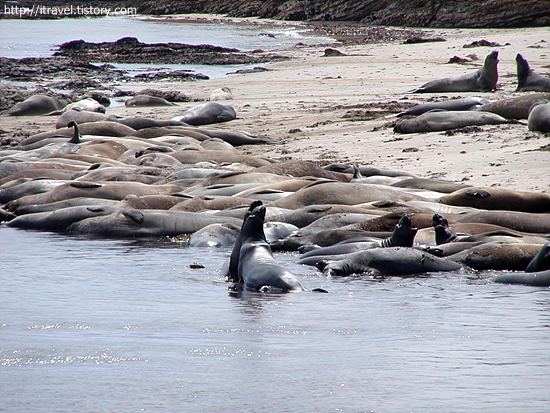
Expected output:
{"points": [[39, 38], [121, 326]]}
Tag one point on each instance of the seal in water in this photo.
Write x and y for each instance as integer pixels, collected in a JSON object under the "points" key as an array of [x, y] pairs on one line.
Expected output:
{"points": [[257, 267]]}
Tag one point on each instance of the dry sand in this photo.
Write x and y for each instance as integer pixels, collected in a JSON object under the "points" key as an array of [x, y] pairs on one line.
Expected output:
{"points": [[332, 109]]}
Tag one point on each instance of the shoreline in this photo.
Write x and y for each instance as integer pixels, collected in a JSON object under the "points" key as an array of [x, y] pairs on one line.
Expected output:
{"points": [[332, 109]]}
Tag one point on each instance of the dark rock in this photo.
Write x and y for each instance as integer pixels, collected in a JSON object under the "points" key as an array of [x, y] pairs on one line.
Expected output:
{"points": [[412, 13]]}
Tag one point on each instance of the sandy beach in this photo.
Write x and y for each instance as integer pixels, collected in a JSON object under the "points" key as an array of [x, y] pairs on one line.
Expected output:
{"points": [[334, 109]]}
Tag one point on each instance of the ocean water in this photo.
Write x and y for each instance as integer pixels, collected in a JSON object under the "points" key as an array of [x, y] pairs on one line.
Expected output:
{"points": [[105, 325], [40, 38]]}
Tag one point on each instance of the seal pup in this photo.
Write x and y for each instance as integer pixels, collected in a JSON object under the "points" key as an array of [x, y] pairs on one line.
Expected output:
{"points": [[539, 117], [482, 80], [88, 104], [528, 80], [257, 267], [223, 93]]}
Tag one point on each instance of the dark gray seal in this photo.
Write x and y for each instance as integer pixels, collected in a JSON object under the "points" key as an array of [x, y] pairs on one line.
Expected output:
{"points": [[533, 279], [482, 80], [437, 121], [257, 267], [388, 261], [35, 106], [207, 113], [539, 117], [402, 236], [541, 262], [528, 80], [450, 105]]}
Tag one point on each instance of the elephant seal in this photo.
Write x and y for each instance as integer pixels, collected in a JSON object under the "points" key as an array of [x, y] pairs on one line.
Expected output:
{"points": [[223, 93], [207, 113], [387, 261], [499, 199], [443, 232], [533, 279], [482, 80], [133, 223], [402, 236], [367, 171], [215, 235], [541, 262], [146, 100], [257, 267], [514, 108], [342, 193], [78, 116], [436, 121], [230, 271], [88, 104], [449, 105], [539, 117], [497, 256], [143, 123], [106, 190], [36, 105], [61, 219], [518, 221], [101, 128], [528, 80]]}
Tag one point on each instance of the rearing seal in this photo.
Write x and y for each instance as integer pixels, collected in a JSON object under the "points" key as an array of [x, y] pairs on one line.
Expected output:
{"points": [[482, 80], [257, 267]]}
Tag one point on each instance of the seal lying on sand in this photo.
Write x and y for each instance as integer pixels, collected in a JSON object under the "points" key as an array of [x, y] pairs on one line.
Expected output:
{"points": [[35, 106], [207, 113], [436, 120], [528, 80], [450, 105], [539, 117], [482, 80]]}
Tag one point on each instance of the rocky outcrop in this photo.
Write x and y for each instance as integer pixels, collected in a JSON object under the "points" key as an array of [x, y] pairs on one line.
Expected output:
{"points": [[131, 50], [412, 13]]}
